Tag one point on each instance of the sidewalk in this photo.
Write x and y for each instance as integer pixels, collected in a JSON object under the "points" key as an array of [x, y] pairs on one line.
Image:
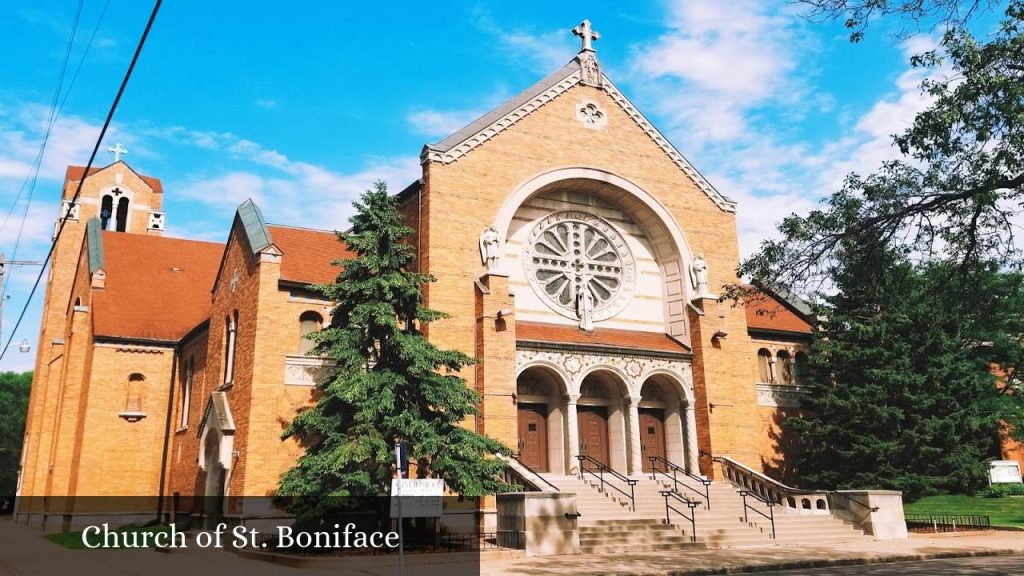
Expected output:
{"points": [[744, 560], [24, 552]]}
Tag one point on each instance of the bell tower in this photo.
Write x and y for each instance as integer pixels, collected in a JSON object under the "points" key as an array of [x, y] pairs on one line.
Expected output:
{"points": [[123, 201]]}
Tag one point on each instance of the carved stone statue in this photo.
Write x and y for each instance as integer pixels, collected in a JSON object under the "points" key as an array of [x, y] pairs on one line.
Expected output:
{"points": [[699, 275], [585, 306], [490, 246]]}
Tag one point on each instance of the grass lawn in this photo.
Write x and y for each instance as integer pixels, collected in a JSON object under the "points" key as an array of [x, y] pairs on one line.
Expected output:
{"points": [[1005, 511], [73, 540]]}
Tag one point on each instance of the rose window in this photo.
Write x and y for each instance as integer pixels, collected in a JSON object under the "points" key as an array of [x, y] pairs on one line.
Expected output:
{"points": [[572, 251]]}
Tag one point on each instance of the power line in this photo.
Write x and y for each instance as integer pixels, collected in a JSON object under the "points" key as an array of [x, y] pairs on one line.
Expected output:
{"points": [[85, 174], [33, 175], [33, 171]]}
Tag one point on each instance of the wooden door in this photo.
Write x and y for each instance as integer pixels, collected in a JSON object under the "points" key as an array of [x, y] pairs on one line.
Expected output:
{"points": [[533, 436], [593, 423], [652, 437]]}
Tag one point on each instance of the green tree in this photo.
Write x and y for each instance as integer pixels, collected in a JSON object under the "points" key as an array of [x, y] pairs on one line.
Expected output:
{"points": [[902, 391], [390, 381], [14, 393], [955, 191]]}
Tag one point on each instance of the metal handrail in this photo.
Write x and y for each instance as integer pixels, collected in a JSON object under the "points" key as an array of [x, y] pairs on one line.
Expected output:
{"points": [[534, 472], [602, 468], [771, 508], [655, 460], [692, 517]]}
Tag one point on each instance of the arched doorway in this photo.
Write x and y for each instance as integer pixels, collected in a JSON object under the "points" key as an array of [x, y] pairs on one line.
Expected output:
{"points": [[662, 417], [601, 420], [213, 501], [540, 410]]}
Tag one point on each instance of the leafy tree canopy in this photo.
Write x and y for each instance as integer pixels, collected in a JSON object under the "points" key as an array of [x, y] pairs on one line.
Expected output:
{"points": [[956, 191], [391, 382], [914, 14], [14, 393]]}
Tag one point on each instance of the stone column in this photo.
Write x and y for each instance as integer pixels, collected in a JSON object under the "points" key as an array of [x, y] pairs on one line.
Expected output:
{"points": [[573, 432], [692, 456], [635, 455]]}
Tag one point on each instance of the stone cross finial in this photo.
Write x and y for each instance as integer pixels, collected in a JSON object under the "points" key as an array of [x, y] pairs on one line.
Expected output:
{"points": [[117, 150], [587, 36]]}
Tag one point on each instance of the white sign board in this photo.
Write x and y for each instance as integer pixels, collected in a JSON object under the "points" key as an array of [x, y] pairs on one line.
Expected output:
{"points": [[1004, 471], [420, 498]]}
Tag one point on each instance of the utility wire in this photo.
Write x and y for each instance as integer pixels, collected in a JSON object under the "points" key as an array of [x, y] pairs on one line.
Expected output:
{"points": [[51, 119], [92, 158], [54, 114]]}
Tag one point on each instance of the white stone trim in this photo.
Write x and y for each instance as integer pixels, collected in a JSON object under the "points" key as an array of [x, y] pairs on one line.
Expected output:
{"points": [[570, 81], [780, 395], [499, 125], [726, 204]]}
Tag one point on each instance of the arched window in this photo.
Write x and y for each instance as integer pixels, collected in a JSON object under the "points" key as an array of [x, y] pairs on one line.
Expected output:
{"points": [[784, 368], [136, 393], [764, 366], [800, 368], [114, 217], [122, 214], [309, 322], [106, 211], [230, 331], [186, 390]]}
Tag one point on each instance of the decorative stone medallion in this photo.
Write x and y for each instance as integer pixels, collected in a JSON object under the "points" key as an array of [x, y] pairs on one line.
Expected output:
{"points": [[591, 115], [571, 251]]}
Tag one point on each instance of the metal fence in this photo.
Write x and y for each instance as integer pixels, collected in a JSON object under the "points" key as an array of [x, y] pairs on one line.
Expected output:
{"points": [[941, 523]]}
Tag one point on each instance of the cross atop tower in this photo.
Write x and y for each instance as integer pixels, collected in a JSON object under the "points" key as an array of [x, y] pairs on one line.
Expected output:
{"points": [[587, 35], [117, 150]]}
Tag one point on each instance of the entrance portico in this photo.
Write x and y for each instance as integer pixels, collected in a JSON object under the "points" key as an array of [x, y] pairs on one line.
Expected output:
{"points": [[617, 407]]}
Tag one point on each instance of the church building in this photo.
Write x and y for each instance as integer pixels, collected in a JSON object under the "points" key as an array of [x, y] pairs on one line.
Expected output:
{"points": [[580, 256]]}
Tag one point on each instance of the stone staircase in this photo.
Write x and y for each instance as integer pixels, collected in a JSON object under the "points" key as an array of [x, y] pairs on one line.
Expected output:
{"points": [[608, 524]]}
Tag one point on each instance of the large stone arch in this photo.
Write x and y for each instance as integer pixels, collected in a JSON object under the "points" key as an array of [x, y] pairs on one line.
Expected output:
{"points": [[671, 250]]}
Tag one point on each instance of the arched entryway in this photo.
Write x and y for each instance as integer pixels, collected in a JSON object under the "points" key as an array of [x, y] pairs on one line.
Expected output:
{"points": [[663, 411], [601, 420], [540, 409]]}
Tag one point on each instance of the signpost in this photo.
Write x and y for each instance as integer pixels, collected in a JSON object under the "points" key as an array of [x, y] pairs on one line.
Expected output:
{"points": [[427, 496]]}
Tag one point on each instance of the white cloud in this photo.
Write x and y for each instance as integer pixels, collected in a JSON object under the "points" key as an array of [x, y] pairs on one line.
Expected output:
{"points": [[438, 124], [541, 52], [717, 61]]}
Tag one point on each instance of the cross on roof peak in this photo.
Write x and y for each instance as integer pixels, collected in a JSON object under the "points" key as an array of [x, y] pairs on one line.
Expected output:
{"points": [[117, 150], [587, 36]]}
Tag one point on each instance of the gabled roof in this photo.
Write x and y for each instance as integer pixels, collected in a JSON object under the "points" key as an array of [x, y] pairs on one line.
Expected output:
{"points": [[75, 173], [538, 332], [767, 311], [306, 254], [156, 288], [523, 104]]}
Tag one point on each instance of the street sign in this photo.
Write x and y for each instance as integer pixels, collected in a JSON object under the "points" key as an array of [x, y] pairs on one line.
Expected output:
{"points": [[421, 498]]}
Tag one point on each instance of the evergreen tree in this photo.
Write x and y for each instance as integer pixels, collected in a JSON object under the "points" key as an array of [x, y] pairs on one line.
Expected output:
{"points": [[14, 393], [390, 381], [903, 395]]}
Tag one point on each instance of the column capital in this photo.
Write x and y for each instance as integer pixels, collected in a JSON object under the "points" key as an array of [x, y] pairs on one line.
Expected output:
{"points": [[633, 400], [572, 398]]}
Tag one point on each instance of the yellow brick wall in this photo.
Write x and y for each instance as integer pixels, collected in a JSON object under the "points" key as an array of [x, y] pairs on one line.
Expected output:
{"points": [[464, 197]]}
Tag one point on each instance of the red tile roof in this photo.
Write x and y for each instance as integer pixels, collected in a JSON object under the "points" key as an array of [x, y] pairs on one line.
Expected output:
{"points": [[765, 312], [540, 332], [74, 174], [156, 288], [307, 254]]}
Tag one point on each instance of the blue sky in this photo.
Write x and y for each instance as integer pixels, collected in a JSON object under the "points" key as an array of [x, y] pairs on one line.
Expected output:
{"points": [[301, 105]]}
